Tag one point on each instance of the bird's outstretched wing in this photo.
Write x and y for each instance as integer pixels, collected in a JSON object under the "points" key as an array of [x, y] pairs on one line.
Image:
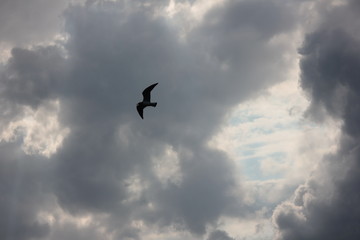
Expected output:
{"points": [[146, 92], [140, 111]]}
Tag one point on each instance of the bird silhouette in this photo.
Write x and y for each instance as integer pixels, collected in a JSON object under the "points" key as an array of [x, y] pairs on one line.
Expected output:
{"points": [[146, 100]]}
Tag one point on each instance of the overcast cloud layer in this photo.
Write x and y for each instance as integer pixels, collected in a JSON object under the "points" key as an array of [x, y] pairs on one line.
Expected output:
{"points": [[77, 162]]}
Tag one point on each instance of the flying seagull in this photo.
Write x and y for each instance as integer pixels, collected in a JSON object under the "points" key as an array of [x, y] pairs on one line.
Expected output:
{"points": [[146, 100]]}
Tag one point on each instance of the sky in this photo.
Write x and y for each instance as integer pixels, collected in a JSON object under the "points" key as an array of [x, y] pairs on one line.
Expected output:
{"points": [[254, 136]]}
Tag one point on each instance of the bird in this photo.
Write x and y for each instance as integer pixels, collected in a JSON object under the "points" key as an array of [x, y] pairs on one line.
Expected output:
{"points": [[146, 100]]}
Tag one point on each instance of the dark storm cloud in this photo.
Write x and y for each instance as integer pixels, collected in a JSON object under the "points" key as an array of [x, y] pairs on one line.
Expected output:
{"points": [[127, 55], [326, 206], [112, 53]]}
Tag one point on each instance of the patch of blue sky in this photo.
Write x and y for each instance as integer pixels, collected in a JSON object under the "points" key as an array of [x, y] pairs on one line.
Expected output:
{"points": [[280, 156], [251, 167], [243, 117], [261, 142], [249, 150], [262, 133], [288, 125], [254, 145], [248, 153]]}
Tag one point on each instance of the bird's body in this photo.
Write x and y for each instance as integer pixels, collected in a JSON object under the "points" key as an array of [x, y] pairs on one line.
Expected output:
{"points": [[146, 100]]}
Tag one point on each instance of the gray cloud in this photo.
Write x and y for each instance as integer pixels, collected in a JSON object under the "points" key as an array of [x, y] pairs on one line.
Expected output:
{"points": [[24, 22], [326, 206], [105, 164], [219, 235], [23, 194], [32, 76]]}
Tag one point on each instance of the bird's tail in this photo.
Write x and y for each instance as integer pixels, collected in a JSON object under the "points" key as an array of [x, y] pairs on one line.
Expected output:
{"points": [[153, 104]]}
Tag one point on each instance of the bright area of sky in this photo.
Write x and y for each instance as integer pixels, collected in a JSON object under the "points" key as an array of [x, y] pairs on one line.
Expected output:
{"points": [[274, 147], [268, 136]]}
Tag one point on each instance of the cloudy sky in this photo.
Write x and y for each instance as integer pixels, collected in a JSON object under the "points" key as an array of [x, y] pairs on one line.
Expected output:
{"points": [[256, 135]]}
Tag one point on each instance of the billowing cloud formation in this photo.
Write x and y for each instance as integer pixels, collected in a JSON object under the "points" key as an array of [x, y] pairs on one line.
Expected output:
{"points": [[326, 206], [106, 177]]}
